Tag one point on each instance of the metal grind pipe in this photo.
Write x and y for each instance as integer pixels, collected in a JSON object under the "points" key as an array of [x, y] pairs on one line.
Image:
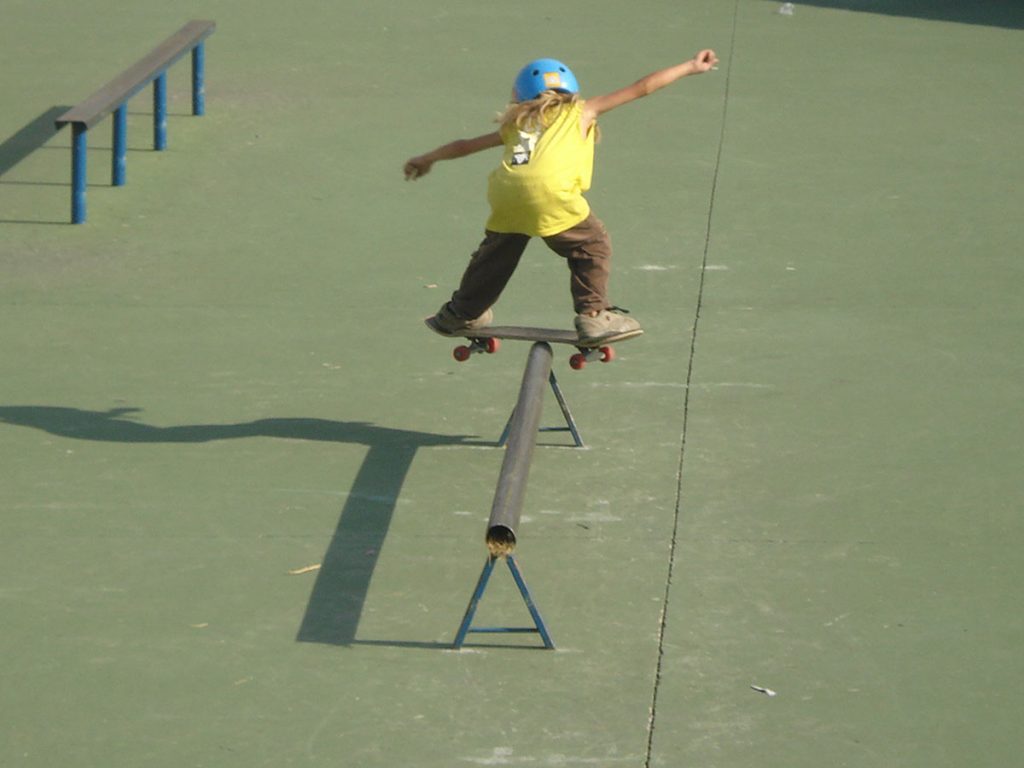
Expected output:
{"points": [[515, 468]]}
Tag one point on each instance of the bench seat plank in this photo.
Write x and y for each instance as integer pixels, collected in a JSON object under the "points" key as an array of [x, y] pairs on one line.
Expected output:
{"points": [[138, 76]]}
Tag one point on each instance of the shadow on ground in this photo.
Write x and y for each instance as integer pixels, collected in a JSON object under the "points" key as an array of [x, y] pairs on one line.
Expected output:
{"points": [[336, 603]]}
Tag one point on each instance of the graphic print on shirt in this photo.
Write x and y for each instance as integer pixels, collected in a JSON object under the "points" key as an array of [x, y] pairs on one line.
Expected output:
{"points": [[522, 151]]}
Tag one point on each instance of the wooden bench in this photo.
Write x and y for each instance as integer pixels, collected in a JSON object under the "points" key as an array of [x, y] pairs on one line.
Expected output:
{"points": [[113, 98]]}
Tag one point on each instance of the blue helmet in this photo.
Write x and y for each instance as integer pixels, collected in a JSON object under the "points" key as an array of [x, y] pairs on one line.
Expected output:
{"points": [[544, 75]]}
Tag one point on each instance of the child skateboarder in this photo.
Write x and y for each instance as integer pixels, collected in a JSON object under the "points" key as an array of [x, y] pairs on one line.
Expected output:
{"points": [[547, 134]]}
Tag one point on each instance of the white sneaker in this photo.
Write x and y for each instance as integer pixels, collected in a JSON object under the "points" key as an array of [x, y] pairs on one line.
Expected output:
{"points": [[447, 321], [605, 324]]}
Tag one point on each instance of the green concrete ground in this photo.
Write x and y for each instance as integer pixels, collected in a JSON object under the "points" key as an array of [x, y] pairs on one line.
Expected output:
{"points": [[805, 477]]}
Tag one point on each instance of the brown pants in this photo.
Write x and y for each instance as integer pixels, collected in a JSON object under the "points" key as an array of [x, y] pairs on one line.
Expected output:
{"points": [[586, 248]]}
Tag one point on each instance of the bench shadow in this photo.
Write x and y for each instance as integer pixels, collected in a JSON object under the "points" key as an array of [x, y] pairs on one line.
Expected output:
{"points": [[30, 137], [339, 594], [26, 140]]}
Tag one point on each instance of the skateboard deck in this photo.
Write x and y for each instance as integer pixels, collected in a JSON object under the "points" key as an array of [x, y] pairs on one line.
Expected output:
{"points": [[487, 340]]}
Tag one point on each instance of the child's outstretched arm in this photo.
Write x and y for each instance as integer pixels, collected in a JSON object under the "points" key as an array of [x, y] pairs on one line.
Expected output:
{"points": [[598, 105], [421, 164]]}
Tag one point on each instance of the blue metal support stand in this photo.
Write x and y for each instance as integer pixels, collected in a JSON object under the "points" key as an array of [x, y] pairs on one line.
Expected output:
{"points": [[119, 163], [199, 79], [79, 166], [467, 622], [160, 112], [570, 422]]}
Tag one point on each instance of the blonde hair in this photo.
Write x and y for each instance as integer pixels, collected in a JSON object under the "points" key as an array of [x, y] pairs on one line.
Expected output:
{"points": [[537, 114]]}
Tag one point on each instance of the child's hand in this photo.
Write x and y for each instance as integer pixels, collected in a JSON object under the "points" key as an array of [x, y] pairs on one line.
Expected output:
{"points": [[704, 61], [417, 166]]}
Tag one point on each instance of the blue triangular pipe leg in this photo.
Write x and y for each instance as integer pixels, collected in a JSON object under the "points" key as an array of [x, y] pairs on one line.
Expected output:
{"points": [[525, 592], [467, 622], [481, 585]]}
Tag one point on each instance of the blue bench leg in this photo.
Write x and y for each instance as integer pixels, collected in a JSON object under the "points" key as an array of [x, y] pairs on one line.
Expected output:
{"points": [[78, 173], [199, 80], [119, 162], [160, 112]]}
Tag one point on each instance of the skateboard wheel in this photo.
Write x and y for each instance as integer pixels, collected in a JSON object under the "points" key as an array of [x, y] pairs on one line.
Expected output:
{"points": [[492, 345], [462, 353], [577, 361], [607, 354]]}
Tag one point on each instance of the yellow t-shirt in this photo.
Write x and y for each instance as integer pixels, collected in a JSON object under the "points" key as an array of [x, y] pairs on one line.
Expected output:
{"points": [[538, 188]]}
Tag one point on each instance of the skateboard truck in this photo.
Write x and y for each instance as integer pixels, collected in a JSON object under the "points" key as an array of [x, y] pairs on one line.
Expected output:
{"points": [[587, 354], [476, 346]]}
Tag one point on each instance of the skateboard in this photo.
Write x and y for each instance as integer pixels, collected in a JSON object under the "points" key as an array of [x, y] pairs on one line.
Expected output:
{"points": [[489, 340]]}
